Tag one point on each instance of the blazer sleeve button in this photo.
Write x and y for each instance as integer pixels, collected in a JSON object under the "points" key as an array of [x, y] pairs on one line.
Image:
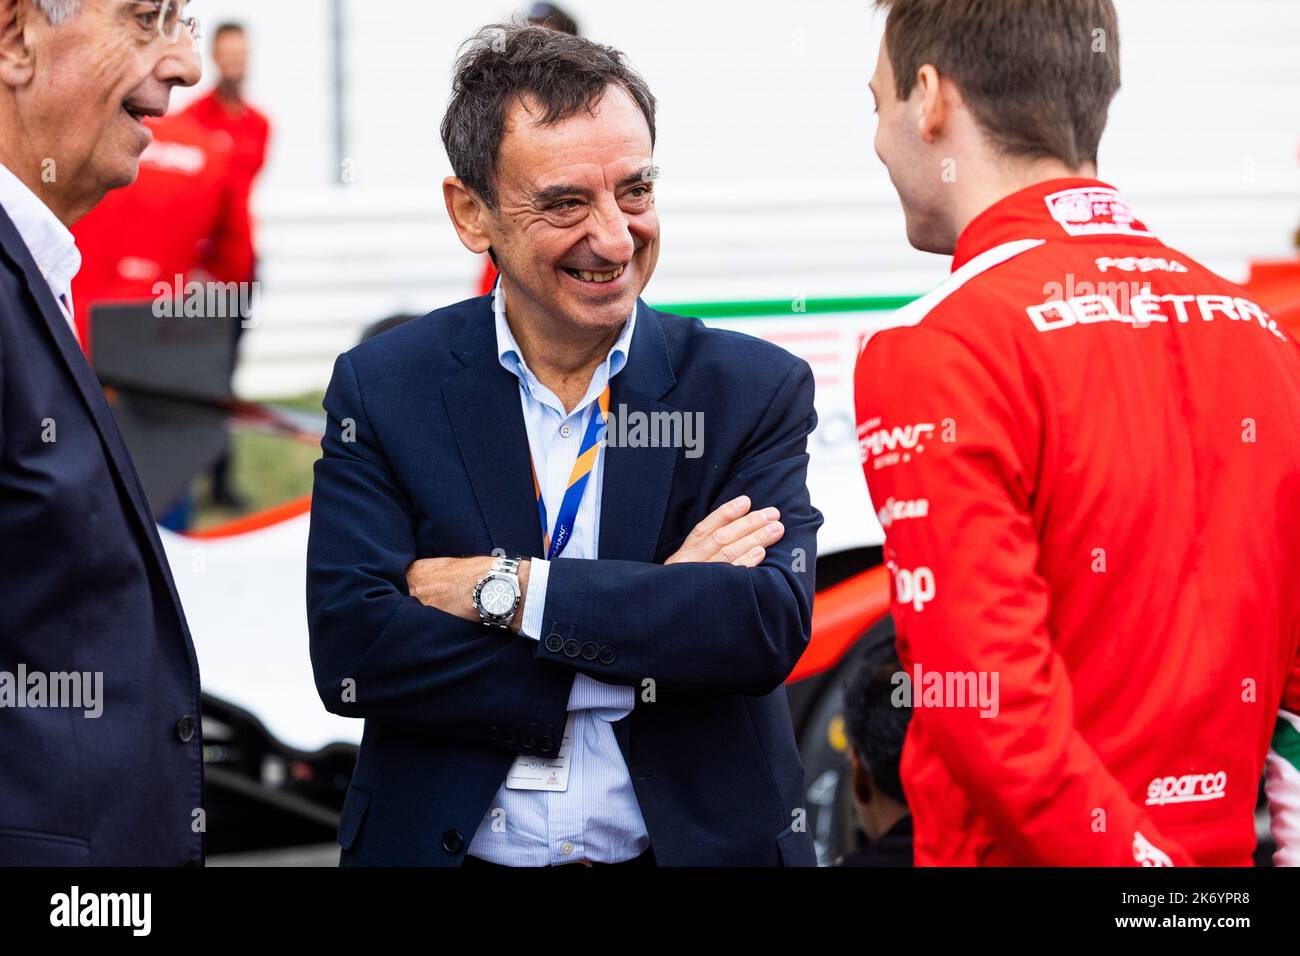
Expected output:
{"points": [[452, 841]]}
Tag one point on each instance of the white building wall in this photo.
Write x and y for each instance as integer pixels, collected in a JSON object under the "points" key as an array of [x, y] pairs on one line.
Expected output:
{"points": [[769, 187]]}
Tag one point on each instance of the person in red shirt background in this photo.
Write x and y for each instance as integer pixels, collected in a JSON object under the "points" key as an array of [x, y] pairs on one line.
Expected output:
{"points": [[230, 118], [184, 216], [225, 113]]}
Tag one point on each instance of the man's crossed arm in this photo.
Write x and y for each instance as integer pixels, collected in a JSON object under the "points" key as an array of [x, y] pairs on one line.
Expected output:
{"points": [[396, 639]]}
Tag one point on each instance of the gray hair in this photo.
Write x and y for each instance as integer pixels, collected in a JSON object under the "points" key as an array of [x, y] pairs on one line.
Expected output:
{"points": [[58, 11], [505, 62]]}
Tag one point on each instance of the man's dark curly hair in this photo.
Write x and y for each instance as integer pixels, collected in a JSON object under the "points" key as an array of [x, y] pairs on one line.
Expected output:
{"points": [[503, 63], [875, 727]]}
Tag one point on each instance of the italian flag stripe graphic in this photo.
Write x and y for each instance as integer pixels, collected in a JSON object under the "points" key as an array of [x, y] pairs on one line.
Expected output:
{"points": [[1282, 784], [1286, 740]]}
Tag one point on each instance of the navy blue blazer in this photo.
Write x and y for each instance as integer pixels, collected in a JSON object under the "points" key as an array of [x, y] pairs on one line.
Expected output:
{"points": [[426, 455], [84, 587]]}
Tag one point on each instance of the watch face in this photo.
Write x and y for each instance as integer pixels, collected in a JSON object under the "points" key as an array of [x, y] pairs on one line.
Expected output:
{"points": [[497, 597]]}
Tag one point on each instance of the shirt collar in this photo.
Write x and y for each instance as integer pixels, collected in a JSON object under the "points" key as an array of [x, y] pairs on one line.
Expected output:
{"points": [[48, 240], [1055, 209], [512, 359]]}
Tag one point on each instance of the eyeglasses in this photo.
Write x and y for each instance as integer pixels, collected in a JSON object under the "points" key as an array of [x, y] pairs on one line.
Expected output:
{"points": [[163, 17]]}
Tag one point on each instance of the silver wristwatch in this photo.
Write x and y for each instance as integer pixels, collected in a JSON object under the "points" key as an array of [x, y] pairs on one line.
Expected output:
{"points": [[497, 596]]}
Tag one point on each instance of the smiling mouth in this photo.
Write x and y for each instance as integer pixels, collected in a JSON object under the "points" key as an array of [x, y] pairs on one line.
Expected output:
{"points": [[138, 113], [596, 277]]}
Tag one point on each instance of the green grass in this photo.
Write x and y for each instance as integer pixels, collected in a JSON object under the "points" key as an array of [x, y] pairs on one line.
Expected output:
{"points": [[267, 470]]}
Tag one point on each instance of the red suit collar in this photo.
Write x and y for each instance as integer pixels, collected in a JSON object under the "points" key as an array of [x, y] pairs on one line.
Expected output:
{"points": [[1055, 209]]}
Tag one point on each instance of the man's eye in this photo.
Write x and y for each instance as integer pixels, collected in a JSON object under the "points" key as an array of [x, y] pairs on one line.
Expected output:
{"points": [[566, 205], [639, 192], [146, 16]]}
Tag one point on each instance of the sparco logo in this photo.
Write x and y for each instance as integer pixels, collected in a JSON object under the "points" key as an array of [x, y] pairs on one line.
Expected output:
{"points": [[1189, 788], [891, 445]]}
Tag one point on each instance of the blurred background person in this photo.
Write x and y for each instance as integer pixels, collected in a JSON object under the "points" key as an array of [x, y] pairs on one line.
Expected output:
{"points": [[876, 727], [230, 117], [185, 216], [185, 219], [225, 112], [553, 18]]}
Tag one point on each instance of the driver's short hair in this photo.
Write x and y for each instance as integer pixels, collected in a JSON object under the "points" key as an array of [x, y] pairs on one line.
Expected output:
{"points": [[1039, 75]]}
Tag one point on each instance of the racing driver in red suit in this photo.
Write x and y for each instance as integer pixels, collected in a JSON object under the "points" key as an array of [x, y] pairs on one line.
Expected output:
{"points": [[1085, 450]]}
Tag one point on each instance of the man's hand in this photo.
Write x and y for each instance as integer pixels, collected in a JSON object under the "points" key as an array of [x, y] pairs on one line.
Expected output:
{"points": [[448, 585], [733, 535]]}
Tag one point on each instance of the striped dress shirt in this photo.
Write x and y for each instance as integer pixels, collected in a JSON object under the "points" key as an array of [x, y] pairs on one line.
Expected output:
{"points": [[597, 817]]}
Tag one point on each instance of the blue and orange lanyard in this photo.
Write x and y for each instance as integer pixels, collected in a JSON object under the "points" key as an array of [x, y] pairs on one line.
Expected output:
{"points": [[587, 452]]}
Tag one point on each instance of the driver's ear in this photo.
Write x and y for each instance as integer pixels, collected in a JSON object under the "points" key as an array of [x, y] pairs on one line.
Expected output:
{"points": [[17, 63], [467, 212], [934, 107]]}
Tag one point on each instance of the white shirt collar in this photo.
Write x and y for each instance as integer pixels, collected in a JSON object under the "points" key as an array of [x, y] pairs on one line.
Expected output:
{"points": [[48, 240], [512, 358]]}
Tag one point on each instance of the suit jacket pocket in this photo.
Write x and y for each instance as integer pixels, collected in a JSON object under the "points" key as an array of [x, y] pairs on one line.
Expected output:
{"points": [[355, 805], [796, 847], [32, 848]]}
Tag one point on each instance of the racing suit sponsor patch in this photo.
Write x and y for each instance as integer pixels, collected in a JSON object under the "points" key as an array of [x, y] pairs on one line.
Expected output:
{"points": [[1136, 264], [895, 510], [1189, 788], [888, 446], [913, 586], [1094, 211], [1147, 853], [1147, 308]]}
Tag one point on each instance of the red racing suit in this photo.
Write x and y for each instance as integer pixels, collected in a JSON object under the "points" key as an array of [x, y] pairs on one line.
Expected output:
{"points": [[1085, 450]]}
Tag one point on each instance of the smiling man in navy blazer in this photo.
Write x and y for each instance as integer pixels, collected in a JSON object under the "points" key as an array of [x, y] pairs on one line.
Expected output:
{"points": [[85, 589], [565, 650]]}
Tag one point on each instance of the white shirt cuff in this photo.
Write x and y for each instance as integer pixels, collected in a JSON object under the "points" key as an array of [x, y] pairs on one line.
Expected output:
{"points": [[539, 572]]}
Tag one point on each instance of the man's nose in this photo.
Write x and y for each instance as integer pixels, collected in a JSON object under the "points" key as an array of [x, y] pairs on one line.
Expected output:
{"points": [[609, 235], [181, 64]]}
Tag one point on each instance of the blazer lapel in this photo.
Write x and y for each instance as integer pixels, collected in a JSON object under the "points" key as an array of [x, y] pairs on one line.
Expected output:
{"points": [[483, 405], [92, 394], [637, 480]]}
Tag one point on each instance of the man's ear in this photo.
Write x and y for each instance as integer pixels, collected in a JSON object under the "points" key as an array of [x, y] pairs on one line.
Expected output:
{"points": [[466, 210], [16, 61], [934, 107]]}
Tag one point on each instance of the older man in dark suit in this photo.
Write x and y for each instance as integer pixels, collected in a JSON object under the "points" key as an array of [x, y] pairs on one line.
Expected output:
{"points": [[99, 688], [562, 549]]}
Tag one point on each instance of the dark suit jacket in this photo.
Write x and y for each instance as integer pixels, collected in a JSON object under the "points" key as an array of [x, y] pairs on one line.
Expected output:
{"points": [[439, 467], [85, 588]]}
